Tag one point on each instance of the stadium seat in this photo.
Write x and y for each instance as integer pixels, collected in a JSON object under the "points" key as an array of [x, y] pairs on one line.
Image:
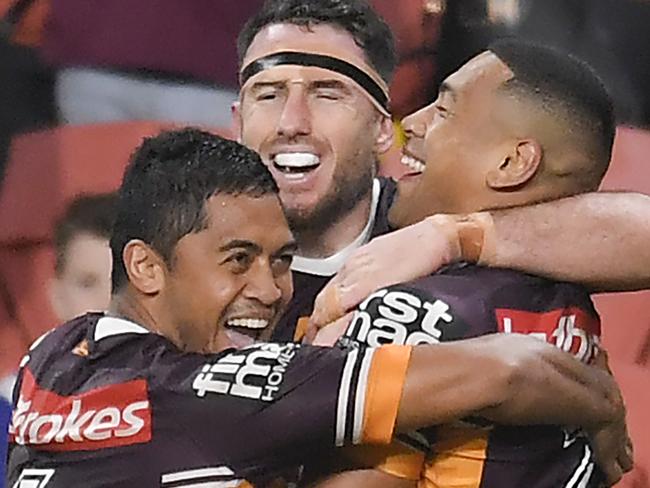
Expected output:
{"points": [[46, 170], [626, 316], [635, 382]]}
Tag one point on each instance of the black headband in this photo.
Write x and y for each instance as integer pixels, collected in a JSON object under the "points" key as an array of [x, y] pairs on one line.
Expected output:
{"points": [[320, 61]]}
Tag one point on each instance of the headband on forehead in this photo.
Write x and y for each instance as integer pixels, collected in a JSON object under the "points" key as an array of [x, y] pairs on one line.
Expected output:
{"points": [[378, 94]]}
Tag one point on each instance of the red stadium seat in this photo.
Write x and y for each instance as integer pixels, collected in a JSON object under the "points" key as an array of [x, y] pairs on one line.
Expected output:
{"points": [[626, 316], [46, 171], [635, 383]]}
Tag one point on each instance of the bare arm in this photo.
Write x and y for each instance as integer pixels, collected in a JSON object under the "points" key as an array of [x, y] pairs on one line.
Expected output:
{"points": [[601, 240], [510, 379]]}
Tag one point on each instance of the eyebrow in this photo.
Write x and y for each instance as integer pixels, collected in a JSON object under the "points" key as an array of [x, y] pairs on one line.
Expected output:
{"points": [[240, 243], [330, 83], [290, 247], [445, 88], [260, 85]]}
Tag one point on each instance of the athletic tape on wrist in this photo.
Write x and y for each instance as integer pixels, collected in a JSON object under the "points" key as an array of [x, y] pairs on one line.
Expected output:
{"points": [[476, 237]]}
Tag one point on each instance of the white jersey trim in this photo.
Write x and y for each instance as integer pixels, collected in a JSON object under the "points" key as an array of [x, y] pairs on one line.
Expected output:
{"points": [[330, 265], [582, 474], [112, 326], [351, 405]]}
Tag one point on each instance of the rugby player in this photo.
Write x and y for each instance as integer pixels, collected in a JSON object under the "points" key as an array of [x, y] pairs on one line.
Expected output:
{"points": [[517, 124], [169, 388], [314, 103]]}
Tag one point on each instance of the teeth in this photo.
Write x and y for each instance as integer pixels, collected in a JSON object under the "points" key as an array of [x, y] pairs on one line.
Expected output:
{"points": [[296, 160], [249, 323], [414, 164]]}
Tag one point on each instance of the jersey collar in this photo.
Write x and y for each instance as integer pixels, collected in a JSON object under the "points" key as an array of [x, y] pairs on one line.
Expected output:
{"points": [[330, 265]]}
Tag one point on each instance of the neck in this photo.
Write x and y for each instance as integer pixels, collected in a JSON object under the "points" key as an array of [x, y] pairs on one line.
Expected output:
{"points": [[125, 305], [333, 236]]}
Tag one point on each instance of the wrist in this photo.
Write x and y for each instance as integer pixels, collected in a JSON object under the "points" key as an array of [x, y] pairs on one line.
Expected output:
{"points": [[469, 237], [476, 238], [445, 226]]}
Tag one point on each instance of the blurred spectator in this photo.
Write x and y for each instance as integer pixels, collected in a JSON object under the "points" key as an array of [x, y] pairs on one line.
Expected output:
{"points": [[172, 60], [416, 27], [82, 280], [26, 86], [611, 35]]}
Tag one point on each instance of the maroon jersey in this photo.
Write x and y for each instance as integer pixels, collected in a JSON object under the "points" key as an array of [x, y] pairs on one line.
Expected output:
{"points": [[465, 301], [101, 401], [311, 275]]}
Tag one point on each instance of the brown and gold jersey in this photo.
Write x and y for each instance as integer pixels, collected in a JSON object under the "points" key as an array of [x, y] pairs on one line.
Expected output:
{"points": [[101, 401], [465, 301]]}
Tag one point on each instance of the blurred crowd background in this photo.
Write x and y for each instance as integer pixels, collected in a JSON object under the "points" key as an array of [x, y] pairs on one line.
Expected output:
{"points": [[82, 81]]}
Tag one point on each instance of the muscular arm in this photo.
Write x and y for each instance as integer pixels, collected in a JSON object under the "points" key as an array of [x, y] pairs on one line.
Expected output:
{"points": [[598, 239], [509, 379]]}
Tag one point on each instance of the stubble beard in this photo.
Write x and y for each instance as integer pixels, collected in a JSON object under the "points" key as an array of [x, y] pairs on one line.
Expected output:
{"points": [[344, 195]]}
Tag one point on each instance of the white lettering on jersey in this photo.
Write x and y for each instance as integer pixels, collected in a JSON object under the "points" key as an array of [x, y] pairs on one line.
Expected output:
{"points": [[399, 317], [571, 329], [34, 478], [255, 372], [80, 425]]}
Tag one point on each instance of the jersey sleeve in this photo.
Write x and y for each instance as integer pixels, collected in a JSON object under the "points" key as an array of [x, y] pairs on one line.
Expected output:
{"points": [[289, 395]]}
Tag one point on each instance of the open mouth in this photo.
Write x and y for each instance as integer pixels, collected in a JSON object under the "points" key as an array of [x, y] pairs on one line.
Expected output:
{"points": [[415, 166], [244, 332], [295, 164]]}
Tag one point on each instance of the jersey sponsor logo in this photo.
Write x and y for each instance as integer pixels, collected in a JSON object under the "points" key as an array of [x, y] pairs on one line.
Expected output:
{"points": [[571, 329], [110, 416], [256, 372], [34, 478], [403, 315]]}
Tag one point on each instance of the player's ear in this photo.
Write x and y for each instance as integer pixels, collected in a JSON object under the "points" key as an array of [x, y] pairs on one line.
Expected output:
{"points": [[517, 168], [385, 134], [144, 266], [236, 123]]}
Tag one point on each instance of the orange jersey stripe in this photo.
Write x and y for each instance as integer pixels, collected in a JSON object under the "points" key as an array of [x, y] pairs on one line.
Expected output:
{"points": [[384, 392], [396, 459], [459, 459]]}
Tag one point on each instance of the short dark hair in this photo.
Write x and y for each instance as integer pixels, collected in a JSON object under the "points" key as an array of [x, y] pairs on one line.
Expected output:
{"points": [[92, 214], [169, 179], [562, 81], [368, 29]]}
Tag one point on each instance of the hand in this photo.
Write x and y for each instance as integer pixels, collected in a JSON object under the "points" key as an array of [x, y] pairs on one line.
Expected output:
{"points": [[409, 253], [331, 333], [612, 445], [549, 386], [613, 450]]}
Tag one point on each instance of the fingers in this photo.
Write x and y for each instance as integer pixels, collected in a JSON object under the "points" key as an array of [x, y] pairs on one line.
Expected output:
{"points": [[626, 459], [602, 360], [328, 307], [330, 334]]}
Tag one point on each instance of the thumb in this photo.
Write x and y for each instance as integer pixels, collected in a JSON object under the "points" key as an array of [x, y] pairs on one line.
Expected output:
{"points": [[330, 334], [328, 306]]}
